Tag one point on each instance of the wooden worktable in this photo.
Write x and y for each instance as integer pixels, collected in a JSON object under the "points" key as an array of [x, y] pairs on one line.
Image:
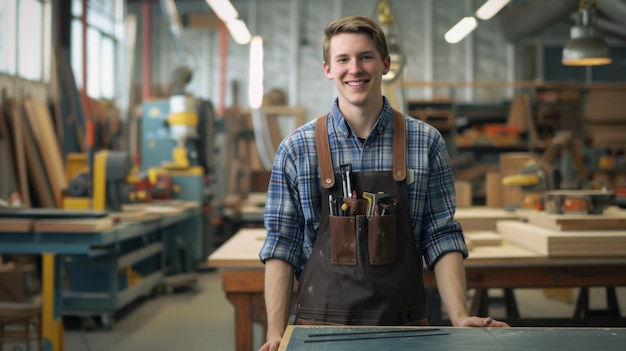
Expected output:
{"points": [[505, 266], [303, 338]]}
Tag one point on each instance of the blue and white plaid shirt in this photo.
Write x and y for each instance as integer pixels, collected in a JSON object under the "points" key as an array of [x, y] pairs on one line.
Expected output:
{"points": [[294, 197]]}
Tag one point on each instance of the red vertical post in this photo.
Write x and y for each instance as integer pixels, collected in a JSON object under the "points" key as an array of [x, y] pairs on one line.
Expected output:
{"points": [[83, 92], [146, 50], [221, 110]]}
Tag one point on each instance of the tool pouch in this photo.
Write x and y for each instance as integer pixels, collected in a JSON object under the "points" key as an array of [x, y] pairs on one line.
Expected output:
{"points": [[382, 239], [344, 232], [359, 206], [343, 240]]}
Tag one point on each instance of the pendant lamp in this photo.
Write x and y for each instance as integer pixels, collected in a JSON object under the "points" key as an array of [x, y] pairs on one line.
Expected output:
{"points": [[586, 46]]}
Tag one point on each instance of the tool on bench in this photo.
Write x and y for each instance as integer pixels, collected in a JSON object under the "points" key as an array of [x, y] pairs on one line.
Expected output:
{"points": [[374, 200]]}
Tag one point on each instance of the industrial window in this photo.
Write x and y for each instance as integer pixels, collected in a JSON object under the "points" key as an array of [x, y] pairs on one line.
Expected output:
{"points": [[101, 74], [22, 42]]}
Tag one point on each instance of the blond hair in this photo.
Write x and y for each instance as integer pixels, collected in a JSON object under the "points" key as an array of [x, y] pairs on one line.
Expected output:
{"points": [[356, 24]]}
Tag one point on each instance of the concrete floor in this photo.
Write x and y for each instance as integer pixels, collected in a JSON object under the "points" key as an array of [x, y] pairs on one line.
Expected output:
{"points": [[202, 319]]}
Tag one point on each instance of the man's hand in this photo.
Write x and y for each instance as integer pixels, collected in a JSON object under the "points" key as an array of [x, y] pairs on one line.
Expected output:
{"points": [[480, 322], [270, 345]]}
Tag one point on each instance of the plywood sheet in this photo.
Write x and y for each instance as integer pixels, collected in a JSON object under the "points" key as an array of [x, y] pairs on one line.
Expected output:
{"points": [[15, 225], [242, 250], [12, 121], [43, 131], [484, 238], [612, 219], [36, 170], [129, 216], [479, 218], [554, 243], [74, 225], [153, 209]]}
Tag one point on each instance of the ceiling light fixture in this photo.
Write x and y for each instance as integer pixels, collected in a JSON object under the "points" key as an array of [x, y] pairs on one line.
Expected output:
{"points": [[586, 46], [239, 31], [255, 87], [460, 30], [490, 8], [226, 12], [224, 9]]}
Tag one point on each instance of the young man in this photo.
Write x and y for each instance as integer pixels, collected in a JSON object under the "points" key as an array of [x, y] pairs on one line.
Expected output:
{"points": [[359, 261]]}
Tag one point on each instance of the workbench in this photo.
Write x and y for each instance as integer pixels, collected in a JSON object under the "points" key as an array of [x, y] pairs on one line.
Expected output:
{"points": [[108, 269], [504, 266], [307, 338]]}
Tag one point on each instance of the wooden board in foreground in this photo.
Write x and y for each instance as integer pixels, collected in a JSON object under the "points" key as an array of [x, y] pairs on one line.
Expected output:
{"points": [[484, 238], [16, 225], [74, 225], [479, 218], [612, 219], [555, 243], [129, 216]]}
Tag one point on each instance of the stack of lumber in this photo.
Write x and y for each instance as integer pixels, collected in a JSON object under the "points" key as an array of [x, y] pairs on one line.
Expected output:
{"points": [[560, 235], [27, 132], [36, 134], [479, 225]]}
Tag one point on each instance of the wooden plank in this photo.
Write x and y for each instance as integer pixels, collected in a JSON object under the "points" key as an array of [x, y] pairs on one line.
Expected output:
{"points": [[478, 218], [41, 125], [612, 219], [493, 190], [74, 225], [129, 216], [7, 180], [10, 131], [484, 238], [553, 243], [16, 225], [242, 250], [36, 170], [463, 190]]}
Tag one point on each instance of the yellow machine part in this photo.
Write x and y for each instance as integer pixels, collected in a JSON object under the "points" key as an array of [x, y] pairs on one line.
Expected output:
{"points": [[76, 163], [521, 179], [183, 118], [179, 157], [76, 203], [99, 180]]}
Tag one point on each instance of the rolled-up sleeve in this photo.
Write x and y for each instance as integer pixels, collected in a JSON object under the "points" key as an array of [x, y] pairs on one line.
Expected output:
{"points": [[440, 233]]}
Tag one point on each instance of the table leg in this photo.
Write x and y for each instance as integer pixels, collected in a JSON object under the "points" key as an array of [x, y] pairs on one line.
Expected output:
{"points": [[51, 316], [243, 320]]}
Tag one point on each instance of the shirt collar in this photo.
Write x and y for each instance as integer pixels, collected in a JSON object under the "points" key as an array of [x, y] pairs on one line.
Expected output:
{"points": [[344, 129]]}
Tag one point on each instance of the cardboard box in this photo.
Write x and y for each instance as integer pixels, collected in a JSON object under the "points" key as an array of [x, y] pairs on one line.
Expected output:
{"points": [[16, 283]]}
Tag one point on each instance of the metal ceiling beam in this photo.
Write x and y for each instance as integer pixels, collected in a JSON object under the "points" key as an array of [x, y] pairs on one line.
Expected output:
{"points": [[522, 21]]}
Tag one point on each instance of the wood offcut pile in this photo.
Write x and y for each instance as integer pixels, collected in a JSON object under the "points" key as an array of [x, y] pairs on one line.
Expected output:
{"points": [[556, 235]]}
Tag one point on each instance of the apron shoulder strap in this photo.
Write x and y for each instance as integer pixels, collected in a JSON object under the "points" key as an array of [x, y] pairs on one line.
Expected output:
{"points": [[399, 146], [323, 152], [324, 155]]}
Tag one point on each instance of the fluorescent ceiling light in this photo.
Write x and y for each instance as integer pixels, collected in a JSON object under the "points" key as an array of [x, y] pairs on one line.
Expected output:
{"points": [[255, 82], [460, 30], [490, 8], [224, 9], [239, 31]]}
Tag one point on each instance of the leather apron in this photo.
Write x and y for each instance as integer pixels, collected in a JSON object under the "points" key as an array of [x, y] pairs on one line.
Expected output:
{"points": [[363, 270]]}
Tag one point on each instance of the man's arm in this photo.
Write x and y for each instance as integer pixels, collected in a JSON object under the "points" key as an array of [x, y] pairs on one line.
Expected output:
{"points": [[451, 283], [278, 292]]}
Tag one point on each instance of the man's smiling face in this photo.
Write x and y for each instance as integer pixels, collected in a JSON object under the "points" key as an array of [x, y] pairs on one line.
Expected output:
{"points": [[357, 68]]}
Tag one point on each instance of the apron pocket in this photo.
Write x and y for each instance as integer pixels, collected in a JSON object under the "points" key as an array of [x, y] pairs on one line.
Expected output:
{"points": [[356, 207], [343, 240], [382, 239]]}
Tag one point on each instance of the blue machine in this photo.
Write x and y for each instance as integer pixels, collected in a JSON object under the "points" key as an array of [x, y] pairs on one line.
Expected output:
{"points": [[190, 182]]}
